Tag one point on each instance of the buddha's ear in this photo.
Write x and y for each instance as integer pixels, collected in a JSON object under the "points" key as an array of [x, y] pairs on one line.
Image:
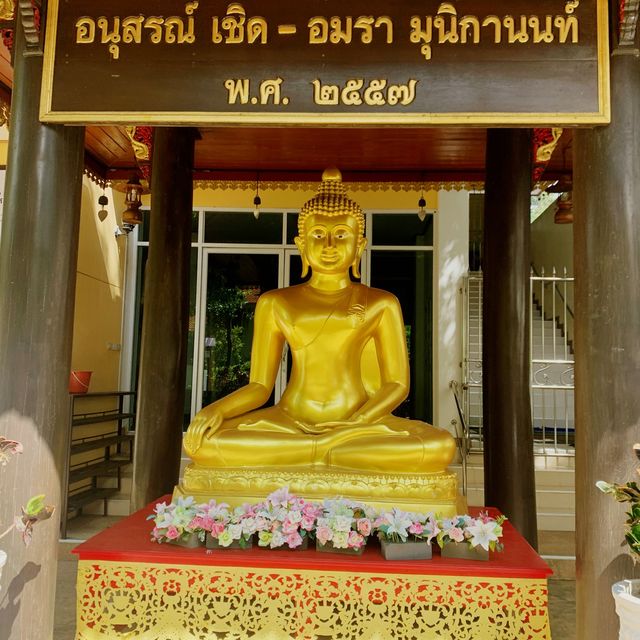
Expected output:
{"points": [[305, 264], [355, 265]]}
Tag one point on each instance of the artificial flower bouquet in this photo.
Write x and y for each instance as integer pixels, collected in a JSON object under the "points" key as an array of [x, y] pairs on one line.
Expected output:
{"points": [[285, 521], [343, 526], [470, 538], [406, 536], [225, 527], [177, 523]]}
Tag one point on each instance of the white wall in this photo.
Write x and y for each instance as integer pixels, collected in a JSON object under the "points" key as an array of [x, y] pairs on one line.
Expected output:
{"points": [[451, 265], [551, 244]]}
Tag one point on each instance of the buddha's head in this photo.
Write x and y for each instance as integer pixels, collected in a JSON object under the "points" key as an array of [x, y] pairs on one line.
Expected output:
{"points": [[331, 229]]}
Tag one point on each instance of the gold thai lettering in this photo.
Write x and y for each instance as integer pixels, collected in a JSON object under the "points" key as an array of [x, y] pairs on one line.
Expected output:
{"points": [[238, 90], [177, 22], [337, 30], [516, 36], [497, 25], [355, 92], [541, 35], [403, 94], [270, 91], [235, 28], [132, 29], [440, 23], [85, 30], [154, 26], [466, 23], [521, 29], [112, 38], [325, 94]]}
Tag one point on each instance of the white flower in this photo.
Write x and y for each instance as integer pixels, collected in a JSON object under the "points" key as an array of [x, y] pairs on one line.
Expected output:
{"points": [[398, 523], [482, 534], [236, 531], [342, 523]]}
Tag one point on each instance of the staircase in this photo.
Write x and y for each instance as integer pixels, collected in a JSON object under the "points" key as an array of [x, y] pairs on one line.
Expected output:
{"points": [[552, 405]]}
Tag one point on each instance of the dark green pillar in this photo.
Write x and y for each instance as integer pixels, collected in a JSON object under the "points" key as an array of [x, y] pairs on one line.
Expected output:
{"points": [[163, 356], [607, 327], [38, 255], [509, 477]]}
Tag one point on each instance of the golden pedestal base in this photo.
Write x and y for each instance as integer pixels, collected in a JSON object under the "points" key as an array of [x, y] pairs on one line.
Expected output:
{"points": [[437, 492]]}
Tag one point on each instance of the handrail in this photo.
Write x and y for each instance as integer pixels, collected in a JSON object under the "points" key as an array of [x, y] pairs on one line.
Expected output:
{"points": [[462, 440], [554, 279]]}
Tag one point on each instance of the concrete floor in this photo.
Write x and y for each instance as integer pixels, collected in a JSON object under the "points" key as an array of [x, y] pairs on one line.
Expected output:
{"points": [[558, 545]]}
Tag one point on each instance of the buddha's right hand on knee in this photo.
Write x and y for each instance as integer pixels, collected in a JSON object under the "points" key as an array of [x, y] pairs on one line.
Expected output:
{"points": [[205, 423]]}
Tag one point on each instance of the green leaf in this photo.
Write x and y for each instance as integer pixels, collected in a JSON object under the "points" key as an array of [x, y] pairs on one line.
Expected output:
{"points": [[35, 505]]}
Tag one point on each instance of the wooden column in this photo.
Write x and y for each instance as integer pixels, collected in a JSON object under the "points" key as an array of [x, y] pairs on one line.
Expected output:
{"points": [[508, 436], [607, 328], [38, 255], [163, 357]]}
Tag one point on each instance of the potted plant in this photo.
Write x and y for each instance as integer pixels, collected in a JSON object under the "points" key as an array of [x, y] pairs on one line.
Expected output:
{"points": [[343, 527], [285, 521], [627, 592], [176, 523], [470, 538], [406, 536]]}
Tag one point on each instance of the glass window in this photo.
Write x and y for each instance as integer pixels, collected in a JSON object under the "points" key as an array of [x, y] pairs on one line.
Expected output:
{"points": [[402, 229], [243, 228], [409, 276], [292, 227]]}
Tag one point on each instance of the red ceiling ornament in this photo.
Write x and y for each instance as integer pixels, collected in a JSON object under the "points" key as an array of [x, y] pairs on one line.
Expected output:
{"points": [[544, 144]]}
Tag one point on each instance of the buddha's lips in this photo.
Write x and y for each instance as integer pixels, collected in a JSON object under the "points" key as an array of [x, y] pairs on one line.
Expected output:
{"points": [[330, 257]]}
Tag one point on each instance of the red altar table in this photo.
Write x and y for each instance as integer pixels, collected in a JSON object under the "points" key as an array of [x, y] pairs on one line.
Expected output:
{"points": [[129, 587]]}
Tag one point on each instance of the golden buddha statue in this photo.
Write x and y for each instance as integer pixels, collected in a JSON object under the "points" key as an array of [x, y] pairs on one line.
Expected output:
{"points": [[332, 430]]}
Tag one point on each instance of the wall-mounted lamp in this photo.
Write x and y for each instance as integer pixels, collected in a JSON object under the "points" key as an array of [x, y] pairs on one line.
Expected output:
{"points": [[257, 201], [131, 216]]}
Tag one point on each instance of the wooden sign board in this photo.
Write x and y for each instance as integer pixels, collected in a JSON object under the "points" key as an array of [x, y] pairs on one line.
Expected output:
{"points": [[354, 62]]}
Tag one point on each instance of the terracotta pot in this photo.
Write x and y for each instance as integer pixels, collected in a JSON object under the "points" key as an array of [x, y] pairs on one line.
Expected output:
{"points": [[79, 381], [627, 596], [410, 550]]}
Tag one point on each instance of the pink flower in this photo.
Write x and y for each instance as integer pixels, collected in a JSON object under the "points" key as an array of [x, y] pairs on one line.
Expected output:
{"points": [[294, 540], [289, 527], [364, 526], [324, 535], [455, 533], [416, 529], [173, 533], [310, 510], [156, 534], [355, 540], [307, 522], [216, 529]]}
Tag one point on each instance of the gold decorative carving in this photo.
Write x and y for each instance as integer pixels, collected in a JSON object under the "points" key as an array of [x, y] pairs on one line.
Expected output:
{"points": [[545, 151], [422, 492], [136, 600], [7, 9], [140, 150]]}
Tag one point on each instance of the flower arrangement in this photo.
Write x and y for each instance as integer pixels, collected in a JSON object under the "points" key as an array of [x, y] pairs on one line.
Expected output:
{"points": [[344, 525], [629, 492], [225, 526], [285, 520], [176, 522], [400, 526], [483, 531]]}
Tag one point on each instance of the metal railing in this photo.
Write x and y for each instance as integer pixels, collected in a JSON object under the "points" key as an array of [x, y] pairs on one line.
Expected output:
{"points": [[552, 362]]}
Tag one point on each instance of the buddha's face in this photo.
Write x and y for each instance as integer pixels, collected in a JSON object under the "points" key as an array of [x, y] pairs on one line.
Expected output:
{"points": [[331, 244]]}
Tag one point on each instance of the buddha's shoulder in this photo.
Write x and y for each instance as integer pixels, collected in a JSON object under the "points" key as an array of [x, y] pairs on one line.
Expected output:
{"points": [[380, 296]]}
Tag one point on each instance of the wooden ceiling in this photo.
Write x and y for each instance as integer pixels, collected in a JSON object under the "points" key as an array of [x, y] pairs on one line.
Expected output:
{"points": [[439, 154]]}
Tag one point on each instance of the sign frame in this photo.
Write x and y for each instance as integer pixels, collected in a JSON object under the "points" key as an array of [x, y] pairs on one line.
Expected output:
{"points": [[335, 119]]}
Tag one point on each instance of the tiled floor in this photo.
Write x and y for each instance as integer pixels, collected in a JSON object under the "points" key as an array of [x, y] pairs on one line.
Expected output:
{"points": [[562, 603]]}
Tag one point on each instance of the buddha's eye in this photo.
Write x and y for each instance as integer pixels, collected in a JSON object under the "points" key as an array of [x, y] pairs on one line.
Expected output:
{"points": [[341, 234], [318, 234]]}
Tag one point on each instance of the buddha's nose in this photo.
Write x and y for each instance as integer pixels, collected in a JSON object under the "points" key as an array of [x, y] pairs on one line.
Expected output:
{"points": [[329, 242]]}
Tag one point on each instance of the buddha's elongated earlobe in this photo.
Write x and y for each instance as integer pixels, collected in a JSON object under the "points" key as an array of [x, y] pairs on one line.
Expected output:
{"points": [[305, 263], [355, 265]]}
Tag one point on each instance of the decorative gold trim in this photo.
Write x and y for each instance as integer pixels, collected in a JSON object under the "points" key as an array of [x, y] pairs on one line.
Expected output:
{"points": [[436, 492], [603, 116], [121, 600], [545, 151], [363, 187]]}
